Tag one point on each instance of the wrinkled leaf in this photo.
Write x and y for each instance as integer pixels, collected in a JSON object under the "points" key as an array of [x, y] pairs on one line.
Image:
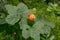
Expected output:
{"points": [[11, 9], [25, 33], [21, 8], [2, 18], [38, 26], [27, 12], [23, 24], [12, 19], [34, 34]]}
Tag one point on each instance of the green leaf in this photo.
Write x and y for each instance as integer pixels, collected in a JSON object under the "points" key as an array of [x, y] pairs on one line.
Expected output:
{"points": [[22, 5], [37, 37], [23, 24], [46, 29], [25, 33], [2, 18], [21, 8], [47, 26], [34, 34], [38, 26], [27, 12], [36, 30], [2, 21], [11, 9], [48, 23], [12, 19], [51, 24], [52, 38]]}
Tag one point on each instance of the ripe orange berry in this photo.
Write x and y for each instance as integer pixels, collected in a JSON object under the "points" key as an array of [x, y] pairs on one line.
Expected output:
{"points": [[14, 33], [31, 17]]}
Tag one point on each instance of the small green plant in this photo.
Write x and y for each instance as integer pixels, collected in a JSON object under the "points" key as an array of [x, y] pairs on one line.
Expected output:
{"points": [[34, 29]]}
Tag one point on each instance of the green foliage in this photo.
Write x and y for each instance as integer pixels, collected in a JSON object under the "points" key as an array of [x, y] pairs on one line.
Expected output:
{"points": [[47, 16], [11, 9], [21, 12], [14, 13], [2, 18], [5, 37]]}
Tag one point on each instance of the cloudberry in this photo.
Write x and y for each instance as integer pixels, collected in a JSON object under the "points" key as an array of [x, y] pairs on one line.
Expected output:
{"points": [[31, 17]]}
